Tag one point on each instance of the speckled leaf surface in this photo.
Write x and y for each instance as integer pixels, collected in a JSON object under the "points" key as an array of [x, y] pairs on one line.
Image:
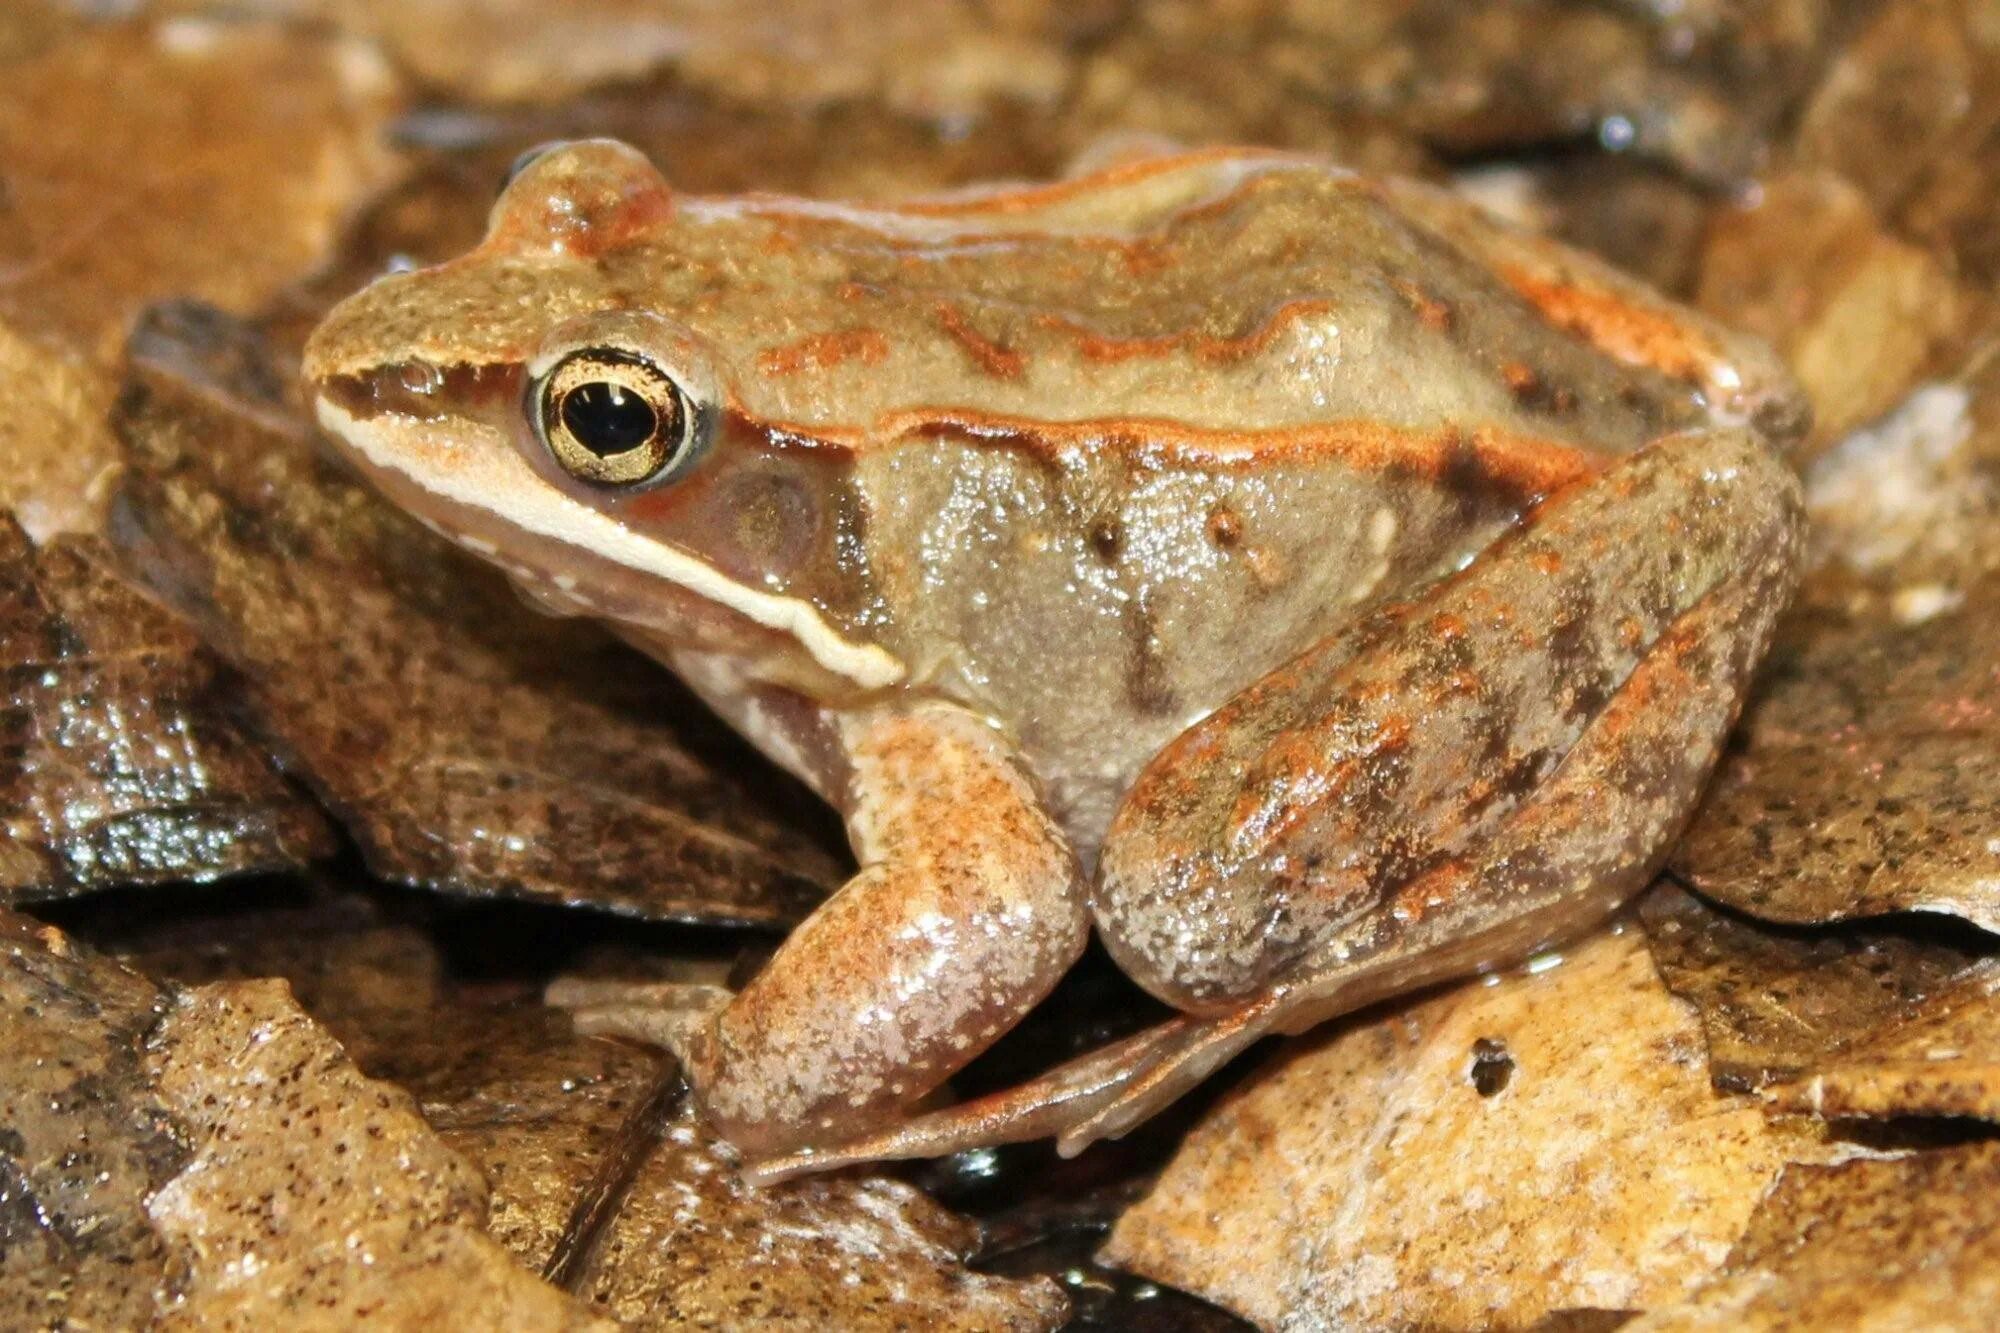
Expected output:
{"points": [[1867, 778], [1481, 1159], [1777, 1002], [1901, 1244], [209, 1159], [119, 761]]}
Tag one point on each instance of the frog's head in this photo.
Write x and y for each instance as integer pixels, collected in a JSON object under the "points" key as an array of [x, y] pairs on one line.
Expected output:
{"points": [[546, 401]]}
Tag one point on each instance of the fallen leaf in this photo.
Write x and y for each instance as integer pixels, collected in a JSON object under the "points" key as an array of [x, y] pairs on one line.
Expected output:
{"points": [[210, 1159], [1867, 774], [1910, 1243], [1910, 504], [693, 1246], [82, 1140], [1940, 1057], [223, 167], [940, 59], [1548, 1141], [1858, 314], [1777, 1002], [61, 457], [313, 1196], [1467, 79], [119, 761], [465, 742]]}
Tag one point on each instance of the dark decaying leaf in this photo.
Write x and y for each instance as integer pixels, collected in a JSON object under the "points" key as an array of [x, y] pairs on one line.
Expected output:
{"points": [[1702, 87], [1484, 1158], [118, 761], [209, 1159], [1780, 1002], [1867, 778], [83, 1141], [598, 1178], [1941, 1057], [465, 741], [1910, 1243]]}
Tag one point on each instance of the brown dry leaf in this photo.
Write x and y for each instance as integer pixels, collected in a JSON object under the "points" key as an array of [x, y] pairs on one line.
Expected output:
{"points": [[1911, 1243], [1939, 1058], [61, 457], [209, 1159], [1858, 314], [466, 742], [1867, 778], [1562, 1124], [1777, 1002], [947, 58], [119, 763], [222, 167], [1918, 85], [694, 1247], [1700, 88]]}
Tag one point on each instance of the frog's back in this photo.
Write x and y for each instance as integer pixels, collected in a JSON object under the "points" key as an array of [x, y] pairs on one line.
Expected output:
{"points": [[1218, 299]]}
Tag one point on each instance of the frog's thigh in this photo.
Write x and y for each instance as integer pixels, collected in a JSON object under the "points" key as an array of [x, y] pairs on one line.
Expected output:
{"points": [[1504, 759], [967, 909]]}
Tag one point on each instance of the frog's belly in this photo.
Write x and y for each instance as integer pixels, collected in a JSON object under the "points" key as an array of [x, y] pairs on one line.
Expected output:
{"points": [[1098, 621]]}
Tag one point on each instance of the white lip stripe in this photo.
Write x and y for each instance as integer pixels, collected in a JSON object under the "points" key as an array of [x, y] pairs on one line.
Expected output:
{"points": [[547, 513]]}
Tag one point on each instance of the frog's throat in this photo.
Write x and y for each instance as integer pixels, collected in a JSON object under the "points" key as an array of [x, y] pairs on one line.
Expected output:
{"points": [[546, 513]]}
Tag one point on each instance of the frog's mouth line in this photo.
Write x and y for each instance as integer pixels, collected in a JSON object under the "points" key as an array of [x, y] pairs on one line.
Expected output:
{"points": [[494, 482]]}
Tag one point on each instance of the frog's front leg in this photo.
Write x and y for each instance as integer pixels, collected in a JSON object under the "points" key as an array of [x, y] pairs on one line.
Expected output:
{"points": [[1448, 785], [967, 909]]}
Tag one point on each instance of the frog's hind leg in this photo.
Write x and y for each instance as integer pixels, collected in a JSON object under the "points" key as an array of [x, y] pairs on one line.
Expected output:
{"points": [[1448, 786]]}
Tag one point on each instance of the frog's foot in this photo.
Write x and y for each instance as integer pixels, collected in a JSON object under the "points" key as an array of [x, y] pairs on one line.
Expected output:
{"points": [[1099, 1095], [677, 1015]]}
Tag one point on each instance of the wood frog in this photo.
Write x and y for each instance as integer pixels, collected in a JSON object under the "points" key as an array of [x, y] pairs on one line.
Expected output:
{"points": [[1313, 586]]}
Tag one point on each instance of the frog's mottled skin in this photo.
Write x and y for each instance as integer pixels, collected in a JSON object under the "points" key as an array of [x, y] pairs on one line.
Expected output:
{"points": [[1318, 587]]}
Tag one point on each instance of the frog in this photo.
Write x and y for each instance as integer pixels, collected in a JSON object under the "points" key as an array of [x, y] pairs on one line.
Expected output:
{"points": [[1308, 586]]}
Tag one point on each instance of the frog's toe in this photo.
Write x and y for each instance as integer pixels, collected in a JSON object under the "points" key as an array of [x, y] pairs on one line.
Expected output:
{"points": [[1100, 1095], [675, 1015]]}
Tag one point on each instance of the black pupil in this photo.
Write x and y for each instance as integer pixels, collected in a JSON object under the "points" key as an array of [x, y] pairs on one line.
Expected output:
{"points": [[608, 418]]}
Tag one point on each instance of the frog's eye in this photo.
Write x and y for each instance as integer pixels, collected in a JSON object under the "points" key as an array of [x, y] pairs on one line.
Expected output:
{"points": [[613, 417]]}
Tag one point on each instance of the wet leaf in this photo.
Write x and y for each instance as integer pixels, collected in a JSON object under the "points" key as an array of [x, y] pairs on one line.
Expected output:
{"points": [[1867, 779], [1904, 1244], [465, 742], [1576, 1164], [119, 762], [1778, 1002], [210, 1159], [1940, 1057], [221, 169], [82, 1140]]}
